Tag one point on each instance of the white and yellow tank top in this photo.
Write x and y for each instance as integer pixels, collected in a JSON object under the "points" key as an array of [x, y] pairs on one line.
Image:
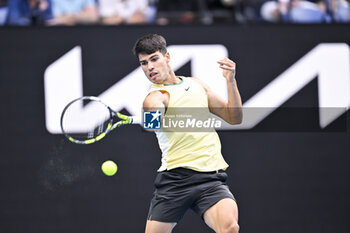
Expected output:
{"points": [[199, 151]]}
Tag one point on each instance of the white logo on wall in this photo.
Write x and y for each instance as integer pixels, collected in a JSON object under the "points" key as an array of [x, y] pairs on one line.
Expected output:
{"points": [[329, 62]]}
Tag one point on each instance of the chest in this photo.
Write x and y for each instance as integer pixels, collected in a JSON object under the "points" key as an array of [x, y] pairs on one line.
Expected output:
{"points": [[188, 94]]}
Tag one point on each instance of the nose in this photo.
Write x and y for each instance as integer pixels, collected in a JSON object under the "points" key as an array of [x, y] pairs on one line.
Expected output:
{"points": [[150, 66]]}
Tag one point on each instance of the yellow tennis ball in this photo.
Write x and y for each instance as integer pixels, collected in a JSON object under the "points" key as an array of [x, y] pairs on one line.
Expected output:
{"points": [[109, 168]]}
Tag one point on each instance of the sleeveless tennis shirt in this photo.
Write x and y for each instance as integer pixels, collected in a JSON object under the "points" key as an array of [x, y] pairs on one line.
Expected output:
{"points": [[199, 151]]}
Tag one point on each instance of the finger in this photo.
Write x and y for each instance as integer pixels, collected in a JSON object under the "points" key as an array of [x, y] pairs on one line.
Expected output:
{"points": [[227, 63], [227, 66], [225, 60]]}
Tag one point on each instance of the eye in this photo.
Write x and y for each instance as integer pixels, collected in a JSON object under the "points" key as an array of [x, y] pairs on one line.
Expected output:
{"points": [[154, 59], [142, 63]]}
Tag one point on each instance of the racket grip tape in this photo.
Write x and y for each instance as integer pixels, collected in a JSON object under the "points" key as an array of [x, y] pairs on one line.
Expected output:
{"points": [[135, 119]]}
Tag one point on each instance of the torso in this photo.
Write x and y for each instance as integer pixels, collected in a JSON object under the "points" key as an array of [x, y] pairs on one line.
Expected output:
{"points": [[200, 151]]}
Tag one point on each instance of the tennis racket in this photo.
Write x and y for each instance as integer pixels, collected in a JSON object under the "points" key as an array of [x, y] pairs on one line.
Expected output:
{"points": [[87, 120]]}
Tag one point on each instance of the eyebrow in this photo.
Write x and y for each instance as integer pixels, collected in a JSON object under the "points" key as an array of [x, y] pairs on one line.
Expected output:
{"points": [[155, 55]]}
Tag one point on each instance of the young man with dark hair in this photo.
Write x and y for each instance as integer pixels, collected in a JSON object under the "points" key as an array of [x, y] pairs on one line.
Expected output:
{"points": [[192, 174]]}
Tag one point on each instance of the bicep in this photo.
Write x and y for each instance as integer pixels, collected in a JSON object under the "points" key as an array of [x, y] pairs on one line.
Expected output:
{"points": [[215, 101], [217, 105]]}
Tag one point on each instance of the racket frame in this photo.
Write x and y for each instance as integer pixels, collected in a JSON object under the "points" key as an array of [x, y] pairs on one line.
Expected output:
{"points": [[124, 120]]}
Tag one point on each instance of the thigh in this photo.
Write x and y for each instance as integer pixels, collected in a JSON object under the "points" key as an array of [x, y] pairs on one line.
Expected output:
{"points": [[159, 227], [211, 193], [222, 215], [172, 197], [167, 207]]}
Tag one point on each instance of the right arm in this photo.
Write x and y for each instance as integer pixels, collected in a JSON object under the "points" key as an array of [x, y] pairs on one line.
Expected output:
{"points": [[156, 100]]}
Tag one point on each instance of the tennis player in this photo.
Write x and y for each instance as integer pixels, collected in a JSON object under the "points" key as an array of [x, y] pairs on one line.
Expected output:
{"points": [[192, 173]]}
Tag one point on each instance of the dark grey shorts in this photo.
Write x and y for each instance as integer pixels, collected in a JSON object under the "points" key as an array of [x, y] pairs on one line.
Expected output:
{"points": [[181, 189]]}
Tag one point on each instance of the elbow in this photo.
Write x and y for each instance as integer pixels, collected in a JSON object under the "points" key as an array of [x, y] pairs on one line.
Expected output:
{"points": [[235, 121], [236, 118]]}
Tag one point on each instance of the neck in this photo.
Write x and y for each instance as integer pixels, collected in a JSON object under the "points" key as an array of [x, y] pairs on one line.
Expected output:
{"points": [[173, 79]]}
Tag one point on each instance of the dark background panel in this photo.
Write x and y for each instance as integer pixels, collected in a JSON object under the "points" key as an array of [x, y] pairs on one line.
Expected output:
{"points": [[283, 181]]}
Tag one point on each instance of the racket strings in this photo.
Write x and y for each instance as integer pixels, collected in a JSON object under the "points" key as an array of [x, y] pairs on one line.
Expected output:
{"points": [[86, 120]]}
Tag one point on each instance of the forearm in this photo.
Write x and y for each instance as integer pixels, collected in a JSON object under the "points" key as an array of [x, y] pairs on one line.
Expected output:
{"points": [[230, 110], [233, 111]]}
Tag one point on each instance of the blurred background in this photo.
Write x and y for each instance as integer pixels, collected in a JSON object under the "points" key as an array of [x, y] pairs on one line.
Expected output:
{"points": [[164, 12], [289, 171]]}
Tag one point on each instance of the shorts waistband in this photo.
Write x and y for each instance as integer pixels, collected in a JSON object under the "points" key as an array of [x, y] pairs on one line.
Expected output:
{"points": [[190, 171]]}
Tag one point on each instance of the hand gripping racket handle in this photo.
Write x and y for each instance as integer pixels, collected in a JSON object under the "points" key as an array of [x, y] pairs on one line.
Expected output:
{"points": [[126, 120]]}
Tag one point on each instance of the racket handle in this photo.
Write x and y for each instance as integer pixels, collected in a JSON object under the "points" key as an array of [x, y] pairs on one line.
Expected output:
{"points": [[135, 119]]}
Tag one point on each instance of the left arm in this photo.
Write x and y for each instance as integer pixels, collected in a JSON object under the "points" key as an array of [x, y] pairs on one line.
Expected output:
{"points": [[231, 110]]}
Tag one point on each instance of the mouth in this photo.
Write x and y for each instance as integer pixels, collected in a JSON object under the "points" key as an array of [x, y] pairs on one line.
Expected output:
{"points": [[152, 75]]}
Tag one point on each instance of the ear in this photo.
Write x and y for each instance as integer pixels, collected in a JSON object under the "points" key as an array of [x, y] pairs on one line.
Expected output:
{"points": [[167, 57]]}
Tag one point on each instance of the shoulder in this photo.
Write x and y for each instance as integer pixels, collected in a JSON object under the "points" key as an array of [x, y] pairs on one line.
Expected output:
{"points": [[155, 99], [197, 80], [200, 82]]}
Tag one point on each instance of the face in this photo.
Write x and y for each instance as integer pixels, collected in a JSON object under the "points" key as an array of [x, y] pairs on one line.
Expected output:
{"points": [[156, 66]]}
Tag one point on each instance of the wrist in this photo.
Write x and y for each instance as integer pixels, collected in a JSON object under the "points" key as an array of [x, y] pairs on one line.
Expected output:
{"points": [[231, 79]]}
